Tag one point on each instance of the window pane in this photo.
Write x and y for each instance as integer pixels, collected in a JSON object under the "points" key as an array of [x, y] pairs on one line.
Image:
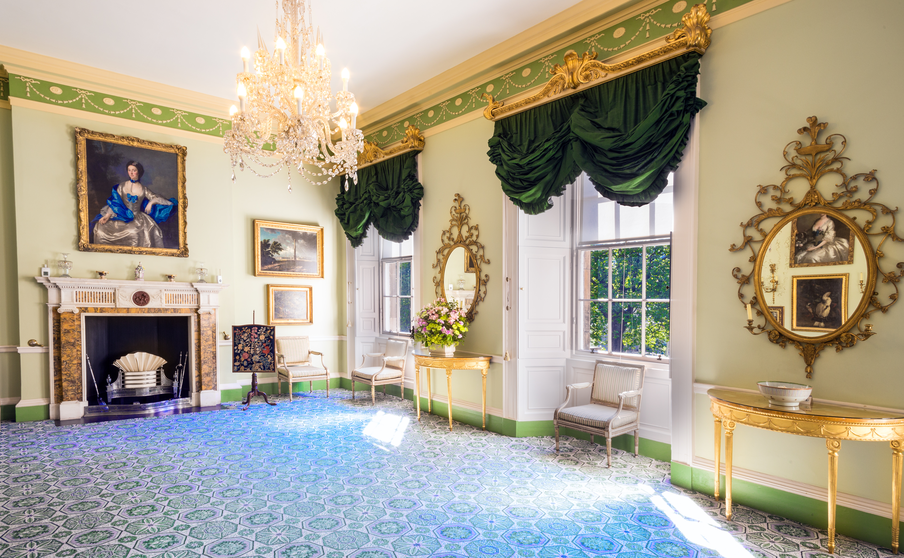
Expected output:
{"points": [[390, 278], [594, 325], [405, 278], [662, 214], [597, 219], [626, 327], [405, 315], [633, 222], [658, 271], [657, 342], [627, 273], [390, 314], [396, 249], [595, 279]]}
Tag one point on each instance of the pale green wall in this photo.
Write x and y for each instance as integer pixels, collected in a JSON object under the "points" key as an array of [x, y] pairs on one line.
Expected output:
{"points": [[762, 77], [455, 162], [9, 305], [220, 217]]}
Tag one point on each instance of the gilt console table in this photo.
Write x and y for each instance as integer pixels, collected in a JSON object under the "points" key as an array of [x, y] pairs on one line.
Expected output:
{"points": [[819, 420], [428, 361]]}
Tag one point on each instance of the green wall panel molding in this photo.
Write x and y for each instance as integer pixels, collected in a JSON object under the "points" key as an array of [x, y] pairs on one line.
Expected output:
{"points": [[29, 414], [619, 37], [23, 87], [849, 522]]}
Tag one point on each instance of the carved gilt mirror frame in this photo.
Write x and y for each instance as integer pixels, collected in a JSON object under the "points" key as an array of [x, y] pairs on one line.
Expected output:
{"points": [[462, 234], [806, 260]]}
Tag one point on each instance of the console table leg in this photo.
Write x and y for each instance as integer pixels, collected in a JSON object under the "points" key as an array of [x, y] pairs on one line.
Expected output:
{"points": [[729, 437], [834, 446], [897, 470], [417, 391], [484, 404], [449, 394], [429, 393], [718, 456]]}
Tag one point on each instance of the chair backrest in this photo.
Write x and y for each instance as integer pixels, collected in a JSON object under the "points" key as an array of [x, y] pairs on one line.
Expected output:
{"points": [[612, 378], [295, 349], [396, 348]]}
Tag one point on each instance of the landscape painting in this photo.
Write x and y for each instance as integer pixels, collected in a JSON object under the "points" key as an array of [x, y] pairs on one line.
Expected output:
{"points": [[287, 250], [289, 305]]}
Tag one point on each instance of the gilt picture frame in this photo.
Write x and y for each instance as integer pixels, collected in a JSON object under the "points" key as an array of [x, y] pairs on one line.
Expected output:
{"points": [[290, 305], [819, 302], [287, 250], [778, 314], [820, 239], [131, 195]]}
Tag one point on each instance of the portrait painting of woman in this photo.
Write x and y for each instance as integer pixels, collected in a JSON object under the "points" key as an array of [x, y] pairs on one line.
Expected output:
{"points": [[820, 239], [131, 195], [819, 302]]}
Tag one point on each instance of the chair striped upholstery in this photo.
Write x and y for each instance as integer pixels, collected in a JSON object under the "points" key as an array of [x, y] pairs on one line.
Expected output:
{"points": [[396, 348], [609, 380], [295, 349]]}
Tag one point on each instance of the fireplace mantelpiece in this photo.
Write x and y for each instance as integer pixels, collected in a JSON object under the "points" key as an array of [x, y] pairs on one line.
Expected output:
{"points": [[70, 299]]}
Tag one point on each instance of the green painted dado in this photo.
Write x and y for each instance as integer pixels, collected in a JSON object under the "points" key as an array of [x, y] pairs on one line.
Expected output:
{"points": [[228, 395], [32, 413], [849, 522], [619, 37]]}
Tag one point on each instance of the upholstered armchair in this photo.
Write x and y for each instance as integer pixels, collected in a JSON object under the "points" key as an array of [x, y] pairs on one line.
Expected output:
{"points": [[293, 363], [614, 406], [390, 370]]}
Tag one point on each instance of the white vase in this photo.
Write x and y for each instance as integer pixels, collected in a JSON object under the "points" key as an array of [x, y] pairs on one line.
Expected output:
{"points": [[442, 350]]}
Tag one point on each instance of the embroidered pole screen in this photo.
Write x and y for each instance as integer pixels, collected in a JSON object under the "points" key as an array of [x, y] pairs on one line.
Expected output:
{"points": [[253, 348]]}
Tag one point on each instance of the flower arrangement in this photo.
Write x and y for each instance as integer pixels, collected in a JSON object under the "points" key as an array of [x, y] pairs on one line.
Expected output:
{"points": [[440, 323]]}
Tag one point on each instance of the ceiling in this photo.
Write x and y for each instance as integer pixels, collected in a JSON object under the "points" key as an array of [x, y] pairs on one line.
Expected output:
{"points": [[389, 46]]}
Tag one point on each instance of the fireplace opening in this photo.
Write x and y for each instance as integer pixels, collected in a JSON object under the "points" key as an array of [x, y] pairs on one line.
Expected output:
{"points": [[108, 338]]}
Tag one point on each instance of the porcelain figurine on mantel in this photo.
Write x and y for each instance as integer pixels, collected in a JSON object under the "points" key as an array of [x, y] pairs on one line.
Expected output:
{"points": [[139, 272]]}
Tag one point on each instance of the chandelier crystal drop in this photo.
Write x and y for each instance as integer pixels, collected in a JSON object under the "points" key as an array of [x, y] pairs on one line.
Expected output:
{"points": [[284, 117]]}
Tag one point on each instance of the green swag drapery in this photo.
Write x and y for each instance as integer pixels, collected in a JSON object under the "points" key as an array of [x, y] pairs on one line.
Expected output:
{"points": [[387, 195], [627, 135]]}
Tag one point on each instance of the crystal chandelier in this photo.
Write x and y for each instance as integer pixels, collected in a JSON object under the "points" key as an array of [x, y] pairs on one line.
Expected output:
{"points": [[284, 117]]}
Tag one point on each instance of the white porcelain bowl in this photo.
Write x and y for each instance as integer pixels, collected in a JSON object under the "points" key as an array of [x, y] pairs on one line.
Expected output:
{"points": [[785, 394]]}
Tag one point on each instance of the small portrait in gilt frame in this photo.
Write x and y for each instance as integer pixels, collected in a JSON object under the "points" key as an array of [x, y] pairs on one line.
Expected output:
{"points": [[131, 195], [778, 314], [819, 302], [820, 239], [289, 305]]}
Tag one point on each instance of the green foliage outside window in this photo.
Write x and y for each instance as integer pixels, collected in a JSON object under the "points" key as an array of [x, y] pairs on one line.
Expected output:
{"points": [[623, 312]]}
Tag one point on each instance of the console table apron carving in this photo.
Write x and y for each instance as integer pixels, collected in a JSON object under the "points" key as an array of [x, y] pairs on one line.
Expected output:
{"points": [[429, 361], [819, 420]]}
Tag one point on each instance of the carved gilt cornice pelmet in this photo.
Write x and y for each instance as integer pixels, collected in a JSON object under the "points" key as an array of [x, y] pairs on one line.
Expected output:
{"points": [[372, 154], [580, 71]]}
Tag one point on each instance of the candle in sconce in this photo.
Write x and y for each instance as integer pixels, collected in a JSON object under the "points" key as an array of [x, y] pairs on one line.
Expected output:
{"points": [[749, 312]]}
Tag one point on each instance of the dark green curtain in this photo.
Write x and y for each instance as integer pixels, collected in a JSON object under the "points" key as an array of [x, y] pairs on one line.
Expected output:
{"points": [[387, 195], [627, 135]]}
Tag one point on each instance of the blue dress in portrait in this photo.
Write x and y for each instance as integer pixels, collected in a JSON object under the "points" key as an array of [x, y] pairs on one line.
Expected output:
{"points": [[130, 225]]}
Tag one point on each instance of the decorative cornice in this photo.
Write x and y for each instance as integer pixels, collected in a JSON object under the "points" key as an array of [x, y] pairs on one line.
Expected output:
{"points": [[77, 98], [617, 36], [372, 154], [586, 71]]}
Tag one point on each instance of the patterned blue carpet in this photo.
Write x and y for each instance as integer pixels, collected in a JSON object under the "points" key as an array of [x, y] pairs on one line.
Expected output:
{"points": [[332, 478]]}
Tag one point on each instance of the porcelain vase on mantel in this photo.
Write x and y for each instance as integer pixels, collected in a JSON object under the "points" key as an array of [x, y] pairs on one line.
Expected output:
{"points": [[442, 350]]}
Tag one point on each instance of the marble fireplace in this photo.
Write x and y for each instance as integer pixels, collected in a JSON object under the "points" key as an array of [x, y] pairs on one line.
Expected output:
{"points": [[71, 302]]}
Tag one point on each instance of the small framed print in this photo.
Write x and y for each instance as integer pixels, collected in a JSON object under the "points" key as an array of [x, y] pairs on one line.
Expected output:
{"points": [[819, 302], [778, 314], [289, 305]]}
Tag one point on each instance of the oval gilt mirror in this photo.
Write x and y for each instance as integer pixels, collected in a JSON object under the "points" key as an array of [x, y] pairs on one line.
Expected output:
{"points": [[459, 261], [817, 263]]}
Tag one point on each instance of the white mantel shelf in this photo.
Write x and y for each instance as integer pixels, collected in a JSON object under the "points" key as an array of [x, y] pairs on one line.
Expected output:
{"points": [[72, 293]]}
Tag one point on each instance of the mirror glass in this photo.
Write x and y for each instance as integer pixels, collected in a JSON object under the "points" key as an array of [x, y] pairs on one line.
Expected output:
{"points": [[459, 278], [819, 264]]}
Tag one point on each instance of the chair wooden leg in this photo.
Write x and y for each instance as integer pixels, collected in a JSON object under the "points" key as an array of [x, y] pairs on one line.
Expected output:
{"points": [[373, 394], [384, 390], [608, 451], [311, 386], [353, 388], [557, 439], [327, 387], [636, 442], [290, 389], [279, 384]]}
